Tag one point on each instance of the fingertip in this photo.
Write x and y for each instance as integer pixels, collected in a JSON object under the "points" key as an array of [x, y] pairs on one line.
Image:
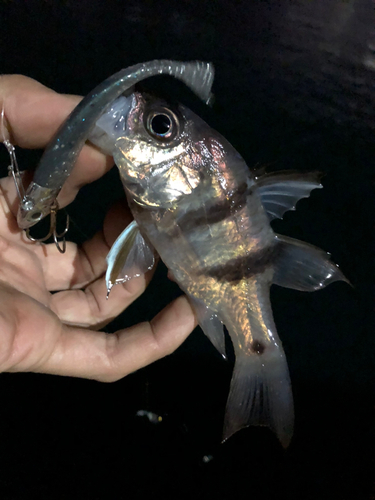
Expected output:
{"points": [[90, 166], [173, 324], [136, 347], [32, 112]]}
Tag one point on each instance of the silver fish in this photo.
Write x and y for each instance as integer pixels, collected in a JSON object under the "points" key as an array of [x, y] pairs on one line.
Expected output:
{"points": [[196, 203]]}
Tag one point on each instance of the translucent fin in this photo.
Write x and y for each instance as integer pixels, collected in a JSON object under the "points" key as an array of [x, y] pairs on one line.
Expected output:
{"points": [[130, 257], [261, 395], [260, 391], [304, 267], [281, 191], [212, 327]]}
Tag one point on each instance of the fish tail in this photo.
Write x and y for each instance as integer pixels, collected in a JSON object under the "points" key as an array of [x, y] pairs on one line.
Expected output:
{"points": [[260, 395], [260, 392]]}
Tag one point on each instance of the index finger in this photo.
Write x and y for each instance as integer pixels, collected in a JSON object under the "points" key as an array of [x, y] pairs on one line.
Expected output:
{"points": [[32, 115]]}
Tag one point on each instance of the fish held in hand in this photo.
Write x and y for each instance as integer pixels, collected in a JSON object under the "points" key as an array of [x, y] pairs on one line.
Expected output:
{"points": [[197, 205], [195, 202]]}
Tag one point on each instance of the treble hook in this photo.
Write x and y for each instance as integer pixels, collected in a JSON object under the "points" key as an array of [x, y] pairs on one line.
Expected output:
{"points": [[14, 171], [52, 230]]}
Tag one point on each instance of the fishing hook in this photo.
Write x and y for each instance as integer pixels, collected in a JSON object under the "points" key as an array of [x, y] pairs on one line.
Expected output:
{"points": [[52, 230], [14, 171]]}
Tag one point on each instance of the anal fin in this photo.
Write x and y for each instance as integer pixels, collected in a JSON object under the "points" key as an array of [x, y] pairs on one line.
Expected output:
{"points": [[304, 267]]}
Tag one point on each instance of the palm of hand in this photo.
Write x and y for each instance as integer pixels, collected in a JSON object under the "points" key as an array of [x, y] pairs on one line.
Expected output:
{"points": [[55, 332]]}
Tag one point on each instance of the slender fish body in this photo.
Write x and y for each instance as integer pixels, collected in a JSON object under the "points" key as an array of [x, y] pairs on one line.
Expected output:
{"points": [[196, 203]]}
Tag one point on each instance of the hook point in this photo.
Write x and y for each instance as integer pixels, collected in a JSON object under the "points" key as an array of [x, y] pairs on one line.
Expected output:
{"points": [[58, 238]]}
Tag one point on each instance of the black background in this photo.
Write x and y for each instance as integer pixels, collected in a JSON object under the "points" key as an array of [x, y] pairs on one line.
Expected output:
{"points": [[294, 88]]}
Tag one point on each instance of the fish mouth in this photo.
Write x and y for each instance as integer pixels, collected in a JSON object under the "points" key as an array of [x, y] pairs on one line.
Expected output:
{"points": [[113, 123], [121, 114]]}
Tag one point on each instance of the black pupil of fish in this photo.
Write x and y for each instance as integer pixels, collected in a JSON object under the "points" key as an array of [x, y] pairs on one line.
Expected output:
{"points": [[161, 124]]}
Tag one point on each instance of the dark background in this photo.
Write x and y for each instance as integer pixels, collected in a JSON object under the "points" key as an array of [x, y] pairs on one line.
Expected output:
{"points": [[294, 88]]}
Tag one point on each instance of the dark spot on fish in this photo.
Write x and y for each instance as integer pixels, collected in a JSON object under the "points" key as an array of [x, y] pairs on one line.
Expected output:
{"points": [[213, 214], [244, 267], [257, 347]]}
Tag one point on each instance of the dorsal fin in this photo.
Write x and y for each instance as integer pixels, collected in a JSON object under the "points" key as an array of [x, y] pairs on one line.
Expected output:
{"points": [[280, 191]]}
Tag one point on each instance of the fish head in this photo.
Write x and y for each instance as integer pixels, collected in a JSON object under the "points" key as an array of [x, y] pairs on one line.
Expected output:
{"points": [[157, 152]]}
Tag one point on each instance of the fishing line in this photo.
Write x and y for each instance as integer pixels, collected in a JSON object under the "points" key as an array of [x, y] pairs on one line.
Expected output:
{"points": [[13, 169]]}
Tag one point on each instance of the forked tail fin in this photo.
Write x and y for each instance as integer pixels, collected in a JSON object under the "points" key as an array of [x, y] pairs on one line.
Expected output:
{"points": [[260, 391], [260, 394]]}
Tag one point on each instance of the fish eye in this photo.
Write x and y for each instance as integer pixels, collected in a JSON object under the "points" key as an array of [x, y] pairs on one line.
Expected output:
{"points": [[162, 125]]}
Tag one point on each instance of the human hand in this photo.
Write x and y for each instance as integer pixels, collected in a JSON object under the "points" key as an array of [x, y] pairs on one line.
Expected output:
{"points": [[55, 333]]}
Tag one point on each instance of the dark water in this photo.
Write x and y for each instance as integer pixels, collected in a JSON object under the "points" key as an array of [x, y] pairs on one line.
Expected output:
{"points": [[294, 87]]}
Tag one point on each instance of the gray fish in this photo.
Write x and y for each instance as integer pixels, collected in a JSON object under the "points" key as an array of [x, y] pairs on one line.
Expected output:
{"points": [[196, 203]]}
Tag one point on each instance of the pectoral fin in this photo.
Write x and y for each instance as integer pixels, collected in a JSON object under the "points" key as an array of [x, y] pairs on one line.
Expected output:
{"points": [[130, 257], [304, 267], [212, 327], [281, 191]]}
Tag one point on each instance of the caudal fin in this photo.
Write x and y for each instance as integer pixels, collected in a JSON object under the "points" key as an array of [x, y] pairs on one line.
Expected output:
{"points": [[261, 394]]}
